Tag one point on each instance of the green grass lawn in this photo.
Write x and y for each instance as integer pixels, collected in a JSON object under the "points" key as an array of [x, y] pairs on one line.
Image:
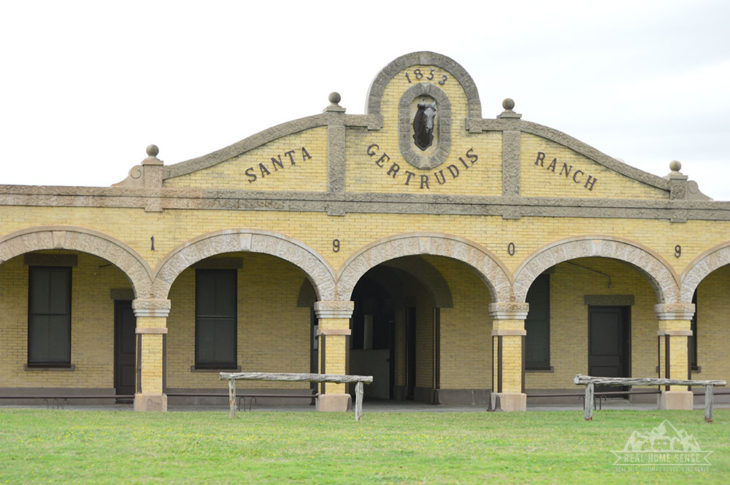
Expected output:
{"points": [[39, 446]]}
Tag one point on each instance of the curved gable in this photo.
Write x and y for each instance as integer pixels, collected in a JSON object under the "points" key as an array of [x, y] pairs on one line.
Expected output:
{"points": [[291, 156], [422, 135]]}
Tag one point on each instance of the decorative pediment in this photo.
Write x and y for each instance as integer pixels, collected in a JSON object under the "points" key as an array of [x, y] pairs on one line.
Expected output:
{"points": [[423, 134]]}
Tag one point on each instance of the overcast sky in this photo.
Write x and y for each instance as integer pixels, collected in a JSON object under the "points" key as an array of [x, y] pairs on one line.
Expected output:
{"points": [[86, 86]]}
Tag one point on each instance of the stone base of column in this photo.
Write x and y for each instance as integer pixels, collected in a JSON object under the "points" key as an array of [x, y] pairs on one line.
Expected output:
{"points": [[676, 400], [506, 401], [334, 402], [150, 402]]}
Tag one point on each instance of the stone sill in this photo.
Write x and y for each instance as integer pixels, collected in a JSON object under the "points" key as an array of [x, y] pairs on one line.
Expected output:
{"points": [[550, 369], [195, 369], [67, 368]]}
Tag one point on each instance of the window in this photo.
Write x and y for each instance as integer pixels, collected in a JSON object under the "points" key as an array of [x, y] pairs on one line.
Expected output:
{"points": [[49, 316], [537, 325], [215, 319], [692, 344]]}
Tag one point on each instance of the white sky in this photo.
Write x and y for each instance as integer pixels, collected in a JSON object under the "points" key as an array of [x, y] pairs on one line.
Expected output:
{"points": [[85, 86]]}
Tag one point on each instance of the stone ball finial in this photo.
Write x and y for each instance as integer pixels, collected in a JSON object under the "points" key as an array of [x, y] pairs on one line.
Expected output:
{"points": [[675, 166], [508, 104], [152, 150], [334, 97]]}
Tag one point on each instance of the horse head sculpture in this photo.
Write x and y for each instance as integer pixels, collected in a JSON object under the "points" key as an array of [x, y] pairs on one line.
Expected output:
{"points": [[423, 124]]}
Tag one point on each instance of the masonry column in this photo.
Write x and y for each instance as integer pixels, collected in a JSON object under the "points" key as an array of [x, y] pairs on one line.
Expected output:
{"points": [[151, 353], [334, 339], [673, 353], [508, 355]]}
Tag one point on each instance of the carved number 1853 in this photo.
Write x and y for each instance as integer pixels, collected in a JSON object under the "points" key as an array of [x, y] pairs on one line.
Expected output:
{"points": [[419, 75]]}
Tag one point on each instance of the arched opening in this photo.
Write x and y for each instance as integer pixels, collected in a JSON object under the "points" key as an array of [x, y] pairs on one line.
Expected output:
{"points": [[373, 338], [710, 328], [409, 330], [591, 315], [238, 311], [394, 328], [67, 328], [444, 284], [314, 267]]}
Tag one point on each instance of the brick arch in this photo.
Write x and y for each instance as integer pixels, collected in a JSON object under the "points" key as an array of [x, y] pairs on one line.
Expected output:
{"points": [[701, 267], [317, 270], [487, 266], [96, 243], [654, 267]]}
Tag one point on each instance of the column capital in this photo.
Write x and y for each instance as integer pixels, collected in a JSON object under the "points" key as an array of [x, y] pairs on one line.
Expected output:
{"points": [[151, 307], [674, 311], [508, 310], [334, 308]]}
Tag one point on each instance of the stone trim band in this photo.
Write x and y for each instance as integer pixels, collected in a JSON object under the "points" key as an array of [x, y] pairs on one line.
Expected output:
{"points": [[150, 331]]}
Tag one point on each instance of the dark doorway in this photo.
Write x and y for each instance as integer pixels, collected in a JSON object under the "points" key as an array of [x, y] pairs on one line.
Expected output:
{"points": [[124, 347], [410, 352], [373, 337], [313, 349], [609, 343]]}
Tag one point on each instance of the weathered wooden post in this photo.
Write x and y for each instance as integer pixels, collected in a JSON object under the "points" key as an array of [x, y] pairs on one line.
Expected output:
{"points": [[590, 381], [232, 397], [588, 405], [358, 400], [292, 377], [708, 403]]}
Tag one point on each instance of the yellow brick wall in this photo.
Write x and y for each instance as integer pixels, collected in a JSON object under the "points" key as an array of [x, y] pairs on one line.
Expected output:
{"points": [[678, 355], [297, 172], [483, 177], [511, 364], [365, 173], [92, 326], [542, 180], [335, 349], [273, 333], [569, 319], [174, 227], [335, 357], [678, 359], [465, 329], [713, 326], [151, 355]]}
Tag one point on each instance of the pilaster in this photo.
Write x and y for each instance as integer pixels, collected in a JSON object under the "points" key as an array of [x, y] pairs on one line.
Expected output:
{"points": [[151, 353], [334, 339], [508, 356], [335, 149], [674, 328]]}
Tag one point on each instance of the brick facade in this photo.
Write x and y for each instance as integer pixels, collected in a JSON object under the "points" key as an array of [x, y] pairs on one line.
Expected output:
{"points": [[422, 257]]}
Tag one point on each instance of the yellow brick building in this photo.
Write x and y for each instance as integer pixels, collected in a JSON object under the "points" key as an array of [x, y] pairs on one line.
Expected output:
{"points": [[453, 257]]}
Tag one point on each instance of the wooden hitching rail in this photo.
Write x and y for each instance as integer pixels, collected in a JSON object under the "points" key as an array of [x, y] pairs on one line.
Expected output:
{"points": [[590, 382], [232, 377], [251, 396]]}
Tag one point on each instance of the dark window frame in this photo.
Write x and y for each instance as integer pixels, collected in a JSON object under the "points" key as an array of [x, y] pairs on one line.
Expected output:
{"points": [[41, 363], [544, 366], [217, 364]]}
